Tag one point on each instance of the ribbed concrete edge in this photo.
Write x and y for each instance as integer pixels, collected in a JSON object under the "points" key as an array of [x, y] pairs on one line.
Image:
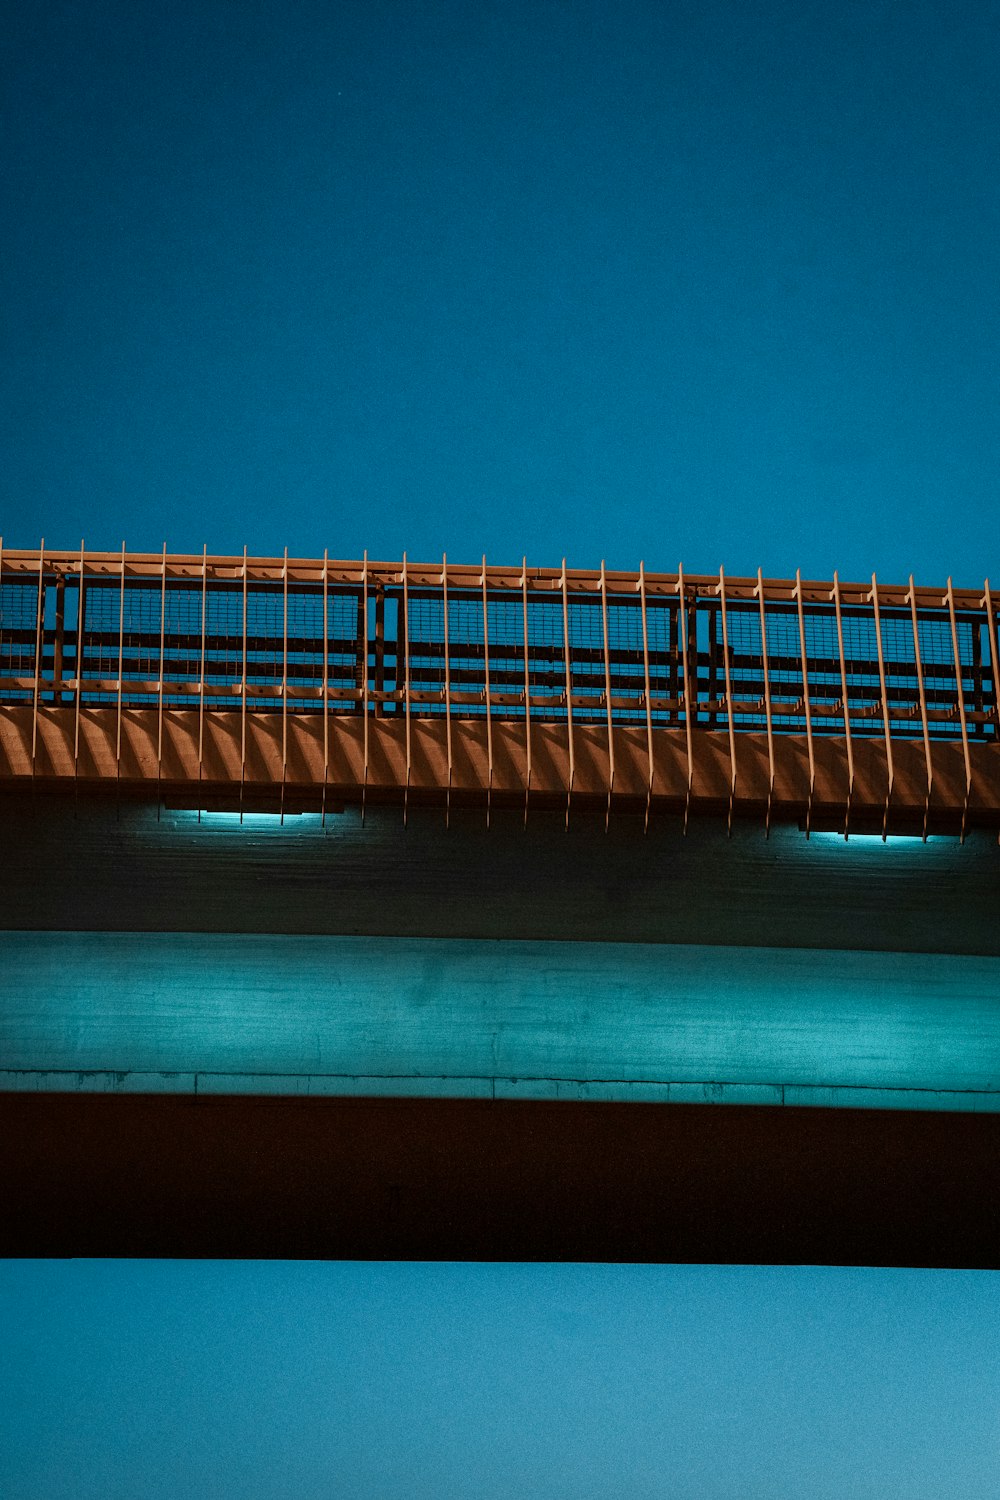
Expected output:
{"points": [[619, 1091]]}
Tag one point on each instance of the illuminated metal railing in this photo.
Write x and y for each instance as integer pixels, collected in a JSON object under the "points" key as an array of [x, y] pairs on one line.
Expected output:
{"points": [[516, 644]]}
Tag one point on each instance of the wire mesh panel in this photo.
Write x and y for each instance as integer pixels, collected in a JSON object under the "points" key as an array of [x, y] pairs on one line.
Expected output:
{"points": [[937, 656], [346, 646], [586, 651], [547, 658], [182, 641], [425, 626], [101, 634], [746, 666], [467, 636], [505, 634], [665, 667], [265, 646], [628, 674], [819, 625], [18, 635], [141, 608], [140, 631], [224, 647], [784, 667]]}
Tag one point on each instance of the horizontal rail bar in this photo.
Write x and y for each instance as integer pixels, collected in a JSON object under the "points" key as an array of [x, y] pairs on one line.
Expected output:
{"points": [[189, 568]]}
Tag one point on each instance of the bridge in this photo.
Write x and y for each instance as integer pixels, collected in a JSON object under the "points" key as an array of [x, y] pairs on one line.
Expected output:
{"points": [[396, 909]]}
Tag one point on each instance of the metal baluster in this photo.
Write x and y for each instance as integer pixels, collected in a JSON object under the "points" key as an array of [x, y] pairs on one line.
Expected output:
{"points": [[79, 676], [729, 702], [489, 705], [569, 692], [687, 696], [873, 596], [201, 679], [406, 683], [646, 695], [243, 693], [767, 702], [960, 687], [607, 695], [912, 597], [284, 684], [39, 620], [159, 685], [835, 596], [121, 656], [326, 683], [805, 698], [447, 686], [527, 689]]}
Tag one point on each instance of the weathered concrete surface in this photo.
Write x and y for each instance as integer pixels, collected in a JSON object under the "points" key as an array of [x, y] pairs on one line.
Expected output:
{"points": [[97, 865], [362, 1016], [139, 747]]}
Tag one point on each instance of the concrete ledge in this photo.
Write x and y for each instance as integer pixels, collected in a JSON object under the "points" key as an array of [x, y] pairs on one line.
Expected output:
{"points": [[399, 1086]]}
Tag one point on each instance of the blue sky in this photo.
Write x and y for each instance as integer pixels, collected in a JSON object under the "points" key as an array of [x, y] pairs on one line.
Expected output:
{"points": [[693, 282], [690, 281], [306, 1381]]}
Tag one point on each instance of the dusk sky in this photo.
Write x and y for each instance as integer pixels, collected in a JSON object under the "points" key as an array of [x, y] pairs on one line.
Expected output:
{"points": [[690, 281], [693, 281]]}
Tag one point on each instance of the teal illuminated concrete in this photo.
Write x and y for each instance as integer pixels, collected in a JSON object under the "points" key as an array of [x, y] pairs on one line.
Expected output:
{"points": [[211, 1013]]}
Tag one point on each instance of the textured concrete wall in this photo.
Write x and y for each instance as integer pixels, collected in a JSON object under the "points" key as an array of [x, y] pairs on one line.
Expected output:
{"points": [[100, 866], [185, 1009], [190, 1012]]}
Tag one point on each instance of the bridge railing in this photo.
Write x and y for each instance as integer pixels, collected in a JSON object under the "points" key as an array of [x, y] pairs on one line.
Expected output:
{"points": [[518, 644]]}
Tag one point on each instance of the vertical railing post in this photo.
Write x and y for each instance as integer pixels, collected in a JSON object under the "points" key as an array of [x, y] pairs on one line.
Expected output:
{"points": [[687, 695], [960, 687], [912, 597], [326, 680], [835, 596], [379, 649], [201, 672], [121, 660], [873, 596], [406, 683], [284, 684], [646, 696], [243, 692], [527, 689], [805, 697], [447, 685], [57, 643], [159, 684], [489, 697], [364, 700], [569, 691], [713, 666], [607, 695], [993, 633], [39, 625], [767, 701], [673, 683], [729, 701], [80, 616]]}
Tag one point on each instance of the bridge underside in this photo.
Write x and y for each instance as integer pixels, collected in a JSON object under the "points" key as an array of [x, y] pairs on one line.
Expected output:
{"points": [[480, 1180], [369, 1039], [556, 948]]}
